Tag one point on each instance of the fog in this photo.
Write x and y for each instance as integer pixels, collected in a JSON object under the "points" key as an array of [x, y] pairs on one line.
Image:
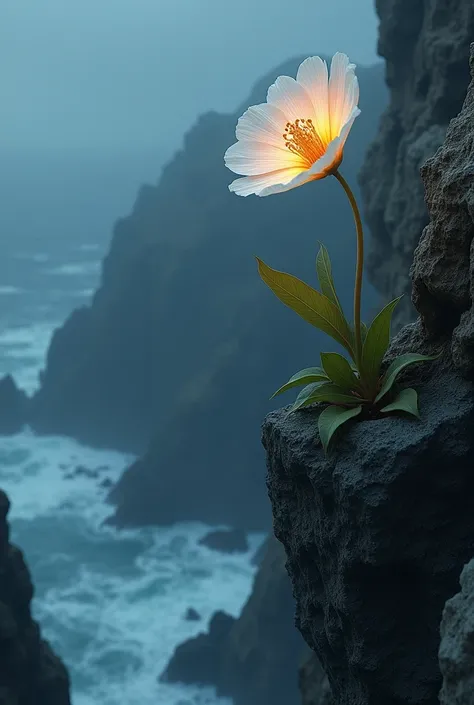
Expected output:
{"points": [[120, 75]]}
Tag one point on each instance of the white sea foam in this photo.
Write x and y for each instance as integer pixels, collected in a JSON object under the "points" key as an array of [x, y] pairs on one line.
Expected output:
{"points": [[76, 269], [111, 603], [115, 607]]}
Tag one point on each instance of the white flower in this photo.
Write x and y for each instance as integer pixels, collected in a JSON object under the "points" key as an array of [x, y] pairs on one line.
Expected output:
{"points": [[298, 135]]}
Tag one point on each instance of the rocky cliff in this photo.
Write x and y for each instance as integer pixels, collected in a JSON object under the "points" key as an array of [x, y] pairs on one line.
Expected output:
{"points": [[457, 643], [425, 44], [253, 659], [30, 672], [377, 533]]}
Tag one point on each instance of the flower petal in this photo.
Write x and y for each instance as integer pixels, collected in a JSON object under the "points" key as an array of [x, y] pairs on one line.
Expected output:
{"points": [[344, 134], [263, 123], [291, 98], [320, 169], [251, 158], [343, 92], [313, 76], [281, 187], [249, 185]]}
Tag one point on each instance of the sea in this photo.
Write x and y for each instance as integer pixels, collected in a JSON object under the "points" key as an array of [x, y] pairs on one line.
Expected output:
{"points": [[111, 603]]}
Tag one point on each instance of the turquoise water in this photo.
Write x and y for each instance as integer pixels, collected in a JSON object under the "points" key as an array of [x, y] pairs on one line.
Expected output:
{"points": [[112, 604]]}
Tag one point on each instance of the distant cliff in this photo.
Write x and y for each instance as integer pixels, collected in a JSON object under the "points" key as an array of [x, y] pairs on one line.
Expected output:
{"points": [[30, 672], [426, 45], [253, 659]]}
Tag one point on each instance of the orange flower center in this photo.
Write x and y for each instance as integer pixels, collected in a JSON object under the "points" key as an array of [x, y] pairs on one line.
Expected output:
{"points": [[301, 138]]}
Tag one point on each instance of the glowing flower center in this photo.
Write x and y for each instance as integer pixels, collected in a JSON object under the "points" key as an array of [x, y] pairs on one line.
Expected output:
{"points": [[301, 138]]}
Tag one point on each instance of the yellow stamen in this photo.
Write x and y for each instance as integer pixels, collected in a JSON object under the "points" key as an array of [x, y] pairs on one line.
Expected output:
{"points": [[301, 138]]}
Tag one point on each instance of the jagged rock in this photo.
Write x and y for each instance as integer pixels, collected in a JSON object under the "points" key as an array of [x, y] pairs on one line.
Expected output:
{"points": [[260, 664], [192, 615], [443, 269], [13, 407], [256, 662], [30, 672], [233, 541], [456, 653], [426, 45], [198, 660]]}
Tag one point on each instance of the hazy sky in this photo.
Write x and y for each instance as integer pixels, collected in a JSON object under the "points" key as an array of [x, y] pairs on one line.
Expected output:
{"points": [[127, 74]]}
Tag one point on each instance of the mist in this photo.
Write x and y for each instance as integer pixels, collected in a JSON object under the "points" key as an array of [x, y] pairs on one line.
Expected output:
{"points": [[123, 75]]}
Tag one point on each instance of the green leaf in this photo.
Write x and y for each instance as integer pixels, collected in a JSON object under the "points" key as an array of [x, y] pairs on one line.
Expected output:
{"points": [[304, 395], [323, 392], [324, 272], [310, 374], [397, 366], [406, 400], [308, 303], [331, 418], [376, 343], [363, 330], [339, 371]]}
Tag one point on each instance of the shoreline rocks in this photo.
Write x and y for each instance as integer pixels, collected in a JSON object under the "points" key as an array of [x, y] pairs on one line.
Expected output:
{"points": [[30, 672]]}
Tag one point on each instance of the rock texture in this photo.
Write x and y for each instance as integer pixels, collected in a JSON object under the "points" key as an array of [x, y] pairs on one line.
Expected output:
{"points": [[443, 269], [377, 533], [456, 653], [256, 661], [376, 536], [426, 45], [30, 672], [183, 342]]}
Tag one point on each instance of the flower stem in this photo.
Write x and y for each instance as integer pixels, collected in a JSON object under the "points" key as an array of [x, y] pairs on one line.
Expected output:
{"points": [[359, 267]]}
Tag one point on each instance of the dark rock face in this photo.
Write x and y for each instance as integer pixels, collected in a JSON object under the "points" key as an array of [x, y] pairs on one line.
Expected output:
{"points": [[233, 541], [13, 407], [443, 270], [375, 538], [197, 660], [30, 672], [426, 45], [183, 344], [376, 534], [192, 615], [457, 644], [255, 662]]}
